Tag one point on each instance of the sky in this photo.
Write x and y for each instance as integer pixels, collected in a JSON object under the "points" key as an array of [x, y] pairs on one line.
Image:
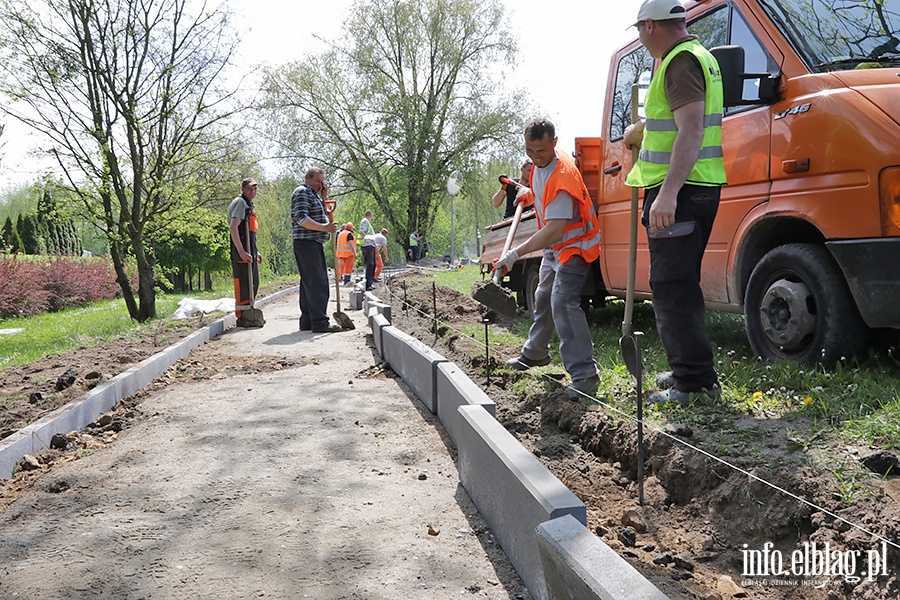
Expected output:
{"points": [[564, 52]]}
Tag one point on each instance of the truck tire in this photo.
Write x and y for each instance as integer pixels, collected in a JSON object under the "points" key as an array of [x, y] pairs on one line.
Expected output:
{"points": [[798, 307], [530, 283]]}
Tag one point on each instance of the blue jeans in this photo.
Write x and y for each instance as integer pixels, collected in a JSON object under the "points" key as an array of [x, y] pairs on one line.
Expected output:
{"points": [[314, 287], [557, 306]]}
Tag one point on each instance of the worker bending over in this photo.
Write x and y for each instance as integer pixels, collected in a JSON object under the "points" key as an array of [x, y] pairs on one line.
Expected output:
{"points": [[569, 234]]}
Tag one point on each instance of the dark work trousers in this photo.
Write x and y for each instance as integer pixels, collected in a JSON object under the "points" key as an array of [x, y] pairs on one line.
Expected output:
{"points": [[242, 292], [675, 282], [314, 286], [369, 261]]}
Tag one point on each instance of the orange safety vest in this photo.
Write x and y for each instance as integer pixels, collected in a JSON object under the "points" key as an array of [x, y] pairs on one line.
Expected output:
{"points": [[581, 237], [344, 245]]}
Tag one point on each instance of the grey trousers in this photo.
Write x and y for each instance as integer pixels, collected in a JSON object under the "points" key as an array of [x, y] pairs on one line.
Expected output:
{"points": [[557, 304]]}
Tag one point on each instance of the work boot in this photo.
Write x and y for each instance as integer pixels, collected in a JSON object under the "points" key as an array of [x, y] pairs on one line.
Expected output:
{"points": [[665, 380], [326, 328], [676, 396], [583, 389], [523, 363], [346, 279]]}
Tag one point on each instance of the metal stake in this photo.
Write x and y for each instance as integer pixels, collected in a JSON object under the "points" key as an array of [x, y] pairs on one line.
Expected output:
{"points": [[638, 342], [487, 352], [434, 307]]}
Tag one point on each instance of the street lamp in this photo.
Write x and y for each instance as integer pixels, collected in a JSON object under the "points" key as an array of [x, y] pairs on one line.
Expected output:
{"points": [[454, 185]]}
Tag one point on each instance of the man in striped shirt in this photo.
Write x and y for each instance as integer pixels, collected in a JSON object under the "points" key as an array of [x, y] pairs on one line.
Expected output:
{"points": [[311, 228]]}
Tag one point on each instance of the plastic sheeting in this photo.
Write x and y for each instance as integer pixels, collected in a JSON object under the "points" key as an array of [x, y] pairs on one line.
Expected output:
{"points": [[188, 307]]}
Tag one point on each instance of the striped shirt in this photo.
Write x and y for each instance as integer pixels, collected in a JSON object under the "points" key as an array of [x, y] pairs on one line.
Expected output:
{"points": [[305, 205]]}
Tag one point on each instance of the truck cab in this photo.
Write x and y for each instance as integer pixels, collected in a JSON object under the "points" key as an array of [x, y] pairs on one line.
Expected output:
{"points": [[806, 243]]}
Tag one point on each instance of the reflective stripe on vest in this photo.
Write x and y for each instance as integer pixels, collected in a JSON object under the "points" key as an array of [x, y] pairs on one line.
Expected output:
{"points": [[660, 129], [580, 237], [344, 246]]}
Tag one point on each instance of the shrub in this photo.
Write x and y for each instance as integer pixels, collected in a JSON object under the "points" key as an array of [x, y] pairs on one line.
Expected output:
{"points": [[77, 281], [22, 293], [34, 286]]}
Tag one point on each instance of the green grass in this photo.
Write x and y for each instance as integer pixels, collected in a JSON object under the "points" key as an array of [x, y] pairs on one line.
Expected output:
{"points": [[460, 279], [857, 402], [85, 326]]}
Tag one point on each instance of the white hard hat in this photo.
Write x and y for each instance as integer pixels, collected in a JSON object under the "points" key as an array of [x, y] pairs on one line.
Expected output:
{"points": [[660, 10]]}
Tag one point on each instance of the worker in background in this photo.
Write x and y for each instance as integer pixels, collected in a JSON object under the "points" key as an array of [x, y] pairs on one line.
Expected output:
{"points": [[510, 192], [365, 226], [346, 252], [414, 246], [369, 250], [569, 235], [380, 247], [311, 228], [245, 257], [681, 169]]}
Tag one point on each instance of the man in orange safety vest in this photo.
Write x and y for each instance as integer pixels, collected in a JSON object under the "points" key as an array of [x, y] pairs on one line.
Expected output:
{"points": [[346, 253]]}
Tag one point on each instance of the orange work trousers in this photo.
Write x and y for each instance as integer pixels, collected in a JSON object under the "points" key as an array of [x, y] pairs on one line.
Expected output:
{"points": [[379, 263], [346, 264]]}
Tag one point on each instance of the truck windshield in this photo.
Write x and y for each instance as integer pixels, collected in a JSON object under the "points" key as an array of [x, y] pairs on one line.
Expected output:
{"points": [[832, 35]]}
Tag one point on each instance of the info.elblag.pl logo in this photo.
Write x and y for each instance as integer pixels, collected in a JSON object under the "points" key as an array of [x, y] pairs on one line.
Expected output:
{"points": [[817, 561]]}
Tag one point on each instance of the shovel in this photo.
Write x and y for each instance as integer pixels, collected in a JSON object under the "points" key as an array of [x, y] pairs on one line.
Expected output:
{"points": [[251, 316], [490, 292], [340, 318], [627, 341]]}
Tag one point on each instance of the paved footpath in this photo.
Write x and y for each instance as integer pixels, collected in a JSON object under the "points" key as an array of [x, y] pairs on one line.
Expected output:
{"points": [[320, 480]]}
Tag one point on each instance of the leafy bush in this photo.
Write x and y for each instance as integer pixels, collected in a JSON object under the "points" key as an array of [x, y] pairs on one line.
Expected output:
{"points": [[31, 287], [21, 293]]}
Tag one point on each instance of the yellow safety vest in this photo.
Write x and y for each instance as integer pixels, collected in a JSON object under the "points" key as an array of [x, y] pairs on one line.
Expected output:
{"points": [[660, 129]]}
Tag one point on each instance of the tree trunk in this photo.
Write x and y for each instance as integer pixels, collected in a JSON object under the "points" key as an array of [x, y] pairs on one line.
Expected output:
{"points": [[122, 280]]}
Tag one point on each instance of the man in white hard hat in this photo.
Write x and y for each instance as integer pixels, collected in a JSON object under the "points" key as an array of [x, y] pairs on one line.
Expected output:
{"points": [[681, 169]]}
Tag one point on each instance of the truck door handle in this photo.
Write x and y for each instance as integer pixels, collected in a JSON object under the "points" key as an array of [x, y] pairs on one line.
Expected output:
{"points": [[611, 170]]}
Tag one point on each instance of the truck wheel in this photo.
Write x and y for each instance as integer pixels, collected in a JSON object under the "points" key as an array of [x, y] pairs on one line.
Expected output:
{"points": [[798, 307], [532, 276]]}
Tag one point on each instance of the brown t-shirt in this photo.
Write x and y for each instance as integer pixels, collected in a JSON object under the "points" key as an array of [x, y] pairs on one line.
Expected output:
{"points": [[684, 78]]}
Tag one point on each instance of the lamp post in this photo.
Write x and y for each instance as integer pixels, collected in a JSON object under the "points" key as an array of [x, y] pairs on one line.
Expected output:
{"points": [[454, 185]]}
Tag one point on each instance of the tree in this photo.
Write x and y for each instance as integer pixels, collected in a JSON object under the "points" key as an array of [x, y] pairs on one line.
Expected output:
{"points": [[7, 240], [273, 206], [125, 92], [193, 241], [407, 97]]}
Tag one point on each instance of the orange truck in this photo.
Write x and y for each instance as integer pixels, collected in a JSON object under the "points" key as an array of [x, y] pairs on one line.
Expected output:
{"points": [[806, 243]]}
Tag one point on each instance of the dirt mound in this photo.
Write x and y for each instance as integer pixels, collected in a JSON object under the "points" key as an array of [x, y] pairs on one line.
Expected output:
{"points": [[701, 517]]}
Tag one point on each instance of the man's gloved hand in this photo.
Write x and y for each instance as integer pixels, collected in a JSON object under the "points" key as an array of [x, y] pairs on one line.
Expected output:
{"points": [[524, 196], [504, 265], [634, 135], [503, 184]]}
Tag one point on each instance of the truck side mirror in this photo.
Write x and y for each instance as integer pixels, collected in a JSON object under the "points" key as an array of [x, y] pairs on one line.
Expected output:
{"points": [[731, 65]]}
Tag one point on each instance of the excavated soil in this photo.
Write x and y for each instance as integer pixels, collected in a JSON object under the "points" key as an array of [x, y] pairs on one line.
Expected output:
{"points": [[700, 517]]}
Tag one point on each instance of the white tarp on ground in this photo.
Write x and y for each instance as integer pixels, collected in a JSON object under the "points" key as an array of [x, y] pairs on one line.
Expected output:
{"points": [[188, 307]]}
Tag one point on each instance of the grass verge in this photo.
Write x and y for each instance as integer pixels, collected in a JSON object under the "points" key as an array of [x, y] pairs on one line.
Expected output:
{"points": [[85, 326]]}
